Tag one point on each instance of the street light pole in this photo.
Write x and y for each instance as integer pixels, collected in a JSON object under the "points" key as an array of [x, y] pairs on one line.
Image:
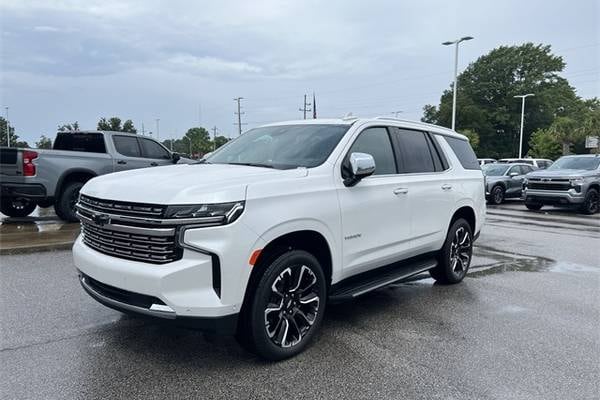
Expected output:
{"points": [[7, 128], [455, 43], [522, 97]]}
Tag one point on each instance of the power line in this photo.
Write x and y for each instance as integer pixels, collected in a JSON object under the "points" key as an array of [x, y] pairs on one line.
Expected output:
{"points": [[239, 114]]}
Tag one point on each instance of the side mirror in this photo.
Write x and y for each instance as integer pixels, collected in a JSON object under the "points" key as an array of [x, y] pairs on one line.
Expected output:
{"points": [[361, 166], [175, 157], [513, 174]]}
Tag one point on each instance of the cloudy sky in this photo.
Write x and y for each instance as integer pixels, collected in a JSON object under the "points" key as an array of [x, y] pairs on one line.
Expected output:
{"points": [[185, 61]]}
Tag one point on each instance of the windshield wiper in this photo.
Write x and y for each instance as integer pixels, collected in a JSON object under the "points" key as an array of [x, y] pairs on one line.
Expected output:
{"points": [[252, 164]]}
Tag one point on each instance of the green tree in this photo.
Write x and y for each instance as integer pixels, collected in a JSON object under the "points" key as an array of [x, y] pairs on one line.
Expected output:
{"points": [[486, 103], [114, 124], [74, 127], [200, 139], [543, 144], [220, 141], [473, 138], [14, 138], [44, 143]]}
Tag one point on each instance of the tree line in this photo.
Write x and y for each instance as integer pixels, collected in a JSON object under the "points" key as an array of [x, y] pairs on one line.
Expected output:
{"points": [[556, 119]]}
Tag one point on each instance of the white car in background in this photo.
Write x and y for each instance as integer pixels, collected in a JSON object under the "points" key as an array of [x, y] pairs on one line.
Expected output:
{"points": [[538, 163], [260, 236]]}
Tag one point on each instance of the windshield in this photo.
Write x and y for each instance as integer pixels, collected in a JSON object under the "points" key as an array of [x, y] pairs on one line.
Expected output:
{"points": [[494, 169], [588, 163], [281, 147]]}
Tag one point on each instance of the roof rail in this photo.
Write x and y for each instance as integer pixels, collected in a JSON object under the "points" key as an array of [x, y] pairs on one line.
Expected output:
{"points": [[415, 122]]}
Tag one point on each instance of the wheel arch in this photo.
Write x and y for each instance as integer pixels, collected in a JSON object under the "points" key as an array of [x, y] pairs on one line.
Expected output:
{"points": [[73, 175], [468, 213]]}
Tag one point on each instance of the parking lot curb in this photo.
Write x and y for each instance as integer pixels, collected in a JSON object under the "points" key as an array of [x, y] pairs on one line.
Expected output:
{"points": [[36, 248]]}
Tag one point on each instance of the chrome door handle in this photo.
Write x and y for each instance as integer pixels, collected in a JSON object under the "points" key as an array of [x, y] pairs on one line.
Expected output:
{"points": [[400, 191], [446, 187]]}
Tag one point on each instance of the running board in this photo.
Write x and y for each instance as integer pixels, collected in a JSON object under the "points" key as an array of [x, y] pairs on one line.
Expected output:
{"points": [[355, 286]]}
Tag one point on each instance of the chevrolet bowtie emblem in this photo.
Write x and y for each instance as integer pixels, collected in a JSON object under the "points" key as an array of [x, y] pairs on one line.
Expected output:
{"points": [[101, 219]]}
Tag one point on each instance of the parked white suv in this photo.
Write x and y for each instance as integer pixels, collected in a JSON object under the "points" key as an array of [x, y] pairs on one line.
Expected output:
{"points": [[259, 237]]}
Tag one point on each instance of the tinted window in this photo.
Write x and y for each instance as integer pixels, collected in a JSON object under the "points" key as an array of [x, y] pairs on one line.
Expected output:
{"points": [[282, 146], [127, 145], [464, 152], [415, 151], [152, 149], [525, 169], [439, 159], [88, 142], [516, 168], [376, 142]]}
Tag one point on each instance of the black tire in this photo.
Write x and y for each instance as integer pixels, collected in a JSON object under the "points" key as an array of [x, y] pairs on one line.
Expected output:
{"points": [[534, 206], [289, 326], [455, 256], [591, 204], [497, 195], [17, 207], [65, 205]]}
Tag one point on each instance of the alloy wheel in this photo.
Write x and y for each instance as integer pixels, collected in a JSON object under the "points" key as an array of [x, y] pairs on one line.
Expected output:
{"points": [[293, 306], [593, 203], [498, 195], [460, 251]]}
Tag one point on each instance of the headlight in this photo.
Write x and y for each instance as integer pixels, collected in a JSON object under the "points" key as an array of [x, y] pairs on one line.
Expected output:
{"points": [[576, 181], [218, 214]]}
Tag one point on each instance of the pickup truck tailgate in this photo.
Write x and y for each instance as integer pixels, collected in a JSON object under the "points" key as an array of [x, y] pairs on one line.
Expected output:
{"points": [[10, 162]]}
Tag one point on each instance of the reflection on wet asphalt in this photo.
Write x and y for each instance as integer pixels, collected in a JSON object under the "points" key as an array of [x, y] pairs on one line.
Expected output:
{"points": [[523, 324]]}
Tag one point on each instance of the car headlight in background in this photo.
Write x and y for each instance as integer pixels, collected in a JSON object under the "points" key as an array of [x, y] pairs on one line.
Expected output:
{"points": [[217, 214], [576, 181]]}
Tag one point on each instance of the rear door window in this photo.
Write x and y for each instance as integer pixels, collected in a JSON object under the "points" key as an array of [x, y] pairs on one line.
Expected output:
{"points": [[464, 152], [74, 141], [415, 151], [127, 145], [151, 149], [376, 142]]}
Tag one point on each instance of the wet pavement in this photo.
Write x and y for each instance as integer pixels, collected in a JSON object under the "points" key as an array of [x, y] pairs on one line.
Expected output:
{"points": [[42, 230], [524, 324]]}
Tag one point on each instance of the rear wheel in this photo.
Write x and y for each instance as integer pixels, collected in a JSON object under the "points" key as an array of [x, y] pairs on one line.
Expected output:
{"points": [[287, 307], [65, 205], [534, 206], [17, 207], [497, 195], [455, 257], [590, 204]]}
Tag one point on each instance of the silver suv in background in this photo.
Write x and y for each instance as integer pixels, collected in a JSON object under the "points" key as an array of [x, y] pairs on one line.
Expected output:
{"points": [[503, 181], [570, 181]]}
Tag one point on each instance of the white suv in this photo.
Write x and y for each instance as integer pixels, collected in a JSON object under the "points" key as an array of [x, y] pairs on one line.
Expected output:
{"points": [[259, 237]]}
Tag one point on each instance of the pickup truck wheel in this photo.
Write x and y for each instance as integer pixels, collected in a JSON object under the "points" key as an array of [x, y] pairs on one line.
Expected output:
{"points": [[454, 258], [65, 206], [534, 206], [287, 308], [17, 207], [497, 195], [590, 204]]}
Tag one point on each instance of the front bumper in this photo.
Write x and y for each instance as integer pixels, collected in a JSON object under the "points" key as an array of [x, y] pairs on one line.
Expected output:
{"points": [[147, 306], [553, 197]]}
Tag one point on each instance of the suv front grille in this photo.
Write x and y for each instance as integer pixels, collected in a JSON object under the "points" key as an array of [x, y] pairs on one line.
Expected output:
{"points": [[140, 210], [562, 184], [109, 227], [147, 248]]}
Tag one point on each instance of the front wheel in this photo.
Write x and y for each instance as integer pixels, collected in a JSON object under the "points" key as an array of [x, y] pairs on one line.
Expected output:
{"points": [[497, 195], [287, 307], [454, 258], [17, 207], [590, 204]]}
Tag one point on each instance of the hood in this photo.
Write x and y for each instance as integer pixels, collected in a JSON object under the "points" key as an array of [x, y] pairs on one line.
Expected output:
{"points": [[560, 173], [184, 183]]}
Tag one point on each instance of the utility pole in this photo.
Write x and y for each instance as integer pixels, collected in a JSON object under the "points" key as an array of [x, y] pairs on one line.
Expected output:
{"points": [[314, 105], [7, 128], [143, 131], [456, 43], [239, 114], [523, 97], [214, 129], [305, 109]]}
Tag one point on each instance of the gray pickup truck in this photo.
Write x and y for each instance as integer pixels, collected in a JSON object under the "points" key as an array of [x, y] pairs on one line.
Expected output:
{"points": [[38, 177], [570, 181]]}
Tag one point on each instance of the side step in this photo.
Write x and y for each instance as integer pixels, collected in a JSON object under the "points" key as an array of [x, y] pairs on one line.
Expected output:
{"points": [[355, 286]]}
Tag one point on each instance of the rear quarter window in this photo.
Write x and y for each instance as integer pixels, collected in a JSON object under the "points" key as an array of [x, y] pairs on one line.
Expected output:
{"points": [[464, 152]]}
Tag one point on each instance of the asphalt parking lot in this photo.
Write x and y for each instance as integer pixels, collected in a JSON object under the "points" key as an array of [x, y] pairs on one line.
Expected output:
{"points": [[525, 324]]}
